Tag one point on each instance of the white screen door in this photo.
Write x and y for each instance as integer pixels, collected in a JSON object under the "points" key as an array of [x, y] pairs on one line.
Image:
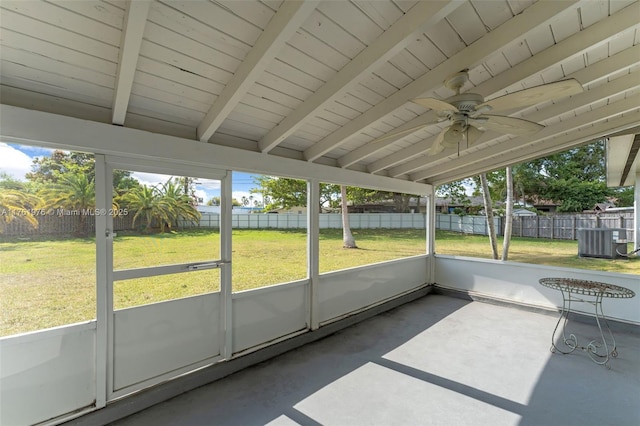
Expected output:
{"points": [[163, 274]]}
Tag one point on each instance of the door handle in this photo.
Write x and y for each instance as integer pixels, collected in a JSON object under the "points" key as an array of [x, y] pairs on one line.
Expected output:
{"points": [[203, 266]]}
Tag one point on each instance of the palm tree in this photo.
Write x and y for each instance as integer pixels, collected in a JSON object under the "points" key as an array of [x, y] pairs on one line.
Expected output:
{"points": [[18, 205], [145, 202], [178, 203], [73, 191], [165, 204]]}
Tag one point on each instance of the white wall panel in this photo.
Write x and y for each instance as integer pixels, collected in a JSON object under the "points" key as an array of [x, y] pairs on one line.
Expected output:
{"points": [[156, 339], [265, 314], [46, 374], [350, 290], [518, 282]]}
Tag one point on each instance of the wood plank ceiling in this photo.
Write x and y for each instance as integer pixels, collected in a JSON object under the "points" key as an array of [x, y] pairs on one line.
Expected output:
{"points": [[318, 81]]}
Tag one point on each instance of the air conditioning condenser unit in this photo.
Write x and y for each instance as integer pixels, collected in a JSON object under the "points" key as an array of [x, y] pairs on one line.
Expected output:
{"points": [[606, 243]]}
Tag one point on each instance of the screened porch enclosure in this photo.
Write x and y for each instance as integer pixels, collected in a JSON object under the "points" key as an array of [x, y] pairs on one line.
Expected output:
{"points": [[132, 346], [321, 91]]}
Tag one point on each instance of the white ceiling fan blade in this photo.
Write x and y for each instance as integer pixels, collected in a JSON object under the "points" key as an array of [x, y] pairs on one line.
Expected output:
{"points": [[437, 147], [435, 104], [510, 125], [535, 95]]}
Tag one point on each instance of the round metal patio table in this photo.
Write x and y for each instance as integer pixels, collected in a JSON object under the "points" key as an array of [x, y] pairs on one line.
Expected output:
{"points": [[574, 290]]}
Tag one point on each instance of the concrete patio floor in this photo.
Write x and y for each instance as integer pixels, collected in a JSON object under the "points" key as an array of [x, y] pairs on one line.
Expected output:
{"points": [[438, 360]]}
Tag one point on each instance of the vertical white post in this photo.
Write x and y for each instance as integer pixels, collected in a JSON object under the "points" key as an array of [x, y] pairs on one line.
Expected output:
{"points": [[104, 283], [226, 314], [313, 250], [636, 216], [430, 229]]}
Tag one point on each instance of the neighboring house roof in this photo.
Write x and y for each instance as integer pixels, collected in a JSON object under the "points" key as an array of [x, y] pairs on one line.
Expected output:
{"points": [[600, 207], [448, 201], [523, 212]]}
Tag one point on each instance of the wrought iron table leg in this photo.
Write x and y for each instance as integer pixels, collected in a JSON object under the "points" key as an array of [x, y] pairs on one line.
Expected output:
{"points": [[572, 341], [594, 345]]}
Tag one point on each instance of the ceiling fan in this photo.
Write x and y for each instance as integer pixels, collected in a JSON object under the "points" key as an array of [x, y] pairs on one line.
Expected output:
{"points": [[467, 112]]}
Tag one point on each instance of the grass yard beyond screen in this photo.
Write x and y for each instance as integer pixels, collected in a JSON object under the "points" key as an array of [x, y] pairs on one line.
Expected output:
{"points": [[50, 282]]}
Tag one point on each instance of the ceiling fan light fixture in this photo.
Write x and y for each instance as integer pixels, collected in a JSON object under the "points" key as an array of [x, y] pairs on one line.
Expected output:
{"points": [[473, 134], [453, 136]]}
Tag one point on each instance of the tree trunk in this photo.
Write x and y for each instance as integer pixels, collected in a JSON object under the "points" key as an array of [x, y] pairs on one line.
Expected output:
{"points": [[401, 202], [508, 215], [347, 238], [488, 209], [81, 226]]}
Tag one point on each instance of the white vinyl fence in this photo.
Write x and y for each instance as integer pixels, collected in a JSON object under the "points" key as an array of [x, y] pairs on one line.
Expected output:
{"points": [[562, 227], [327, 220], [467, 224]]}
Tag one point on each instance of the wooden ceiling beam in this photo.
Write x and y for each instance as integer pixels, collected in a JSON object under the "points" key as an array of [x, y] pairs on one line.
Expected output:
{"points": [[385, 47], [576, 44], [280, 29], [473, 54], [133, 29]]}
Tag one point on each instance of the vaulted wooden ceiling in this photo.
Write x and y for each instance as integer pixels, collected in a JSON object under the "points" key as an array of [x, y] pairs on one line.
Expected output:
{"points": [[319, 81]]}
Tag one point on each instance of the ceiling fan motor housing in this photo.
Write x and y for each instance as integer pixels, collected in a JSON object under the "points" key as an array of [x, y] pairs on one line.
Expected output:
{"points": [[466, 102]]}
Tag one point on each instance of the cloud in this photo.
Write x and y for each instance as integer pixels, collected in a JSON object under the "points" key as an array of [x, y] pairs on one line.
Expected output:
{"points": [[202, 194], [204, 188], [208, 185], [150, 179], [14, 162]]}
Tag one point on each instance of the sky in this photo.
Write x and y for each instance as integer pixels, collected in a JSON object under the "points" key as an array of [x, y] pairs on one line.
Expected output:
{"points": [[16, 161]]}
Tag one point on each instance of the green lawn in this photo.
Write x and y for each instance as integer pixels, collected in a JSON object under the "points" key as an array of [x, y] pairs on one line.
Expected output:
{"points": [[50, 282], [534, 250]]}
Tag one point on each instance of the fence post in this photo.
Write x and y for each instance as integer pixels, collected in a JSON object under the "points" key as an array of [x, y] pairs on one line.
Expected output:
{"points": [[521, 225], [553, 221], [573, 228]]}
